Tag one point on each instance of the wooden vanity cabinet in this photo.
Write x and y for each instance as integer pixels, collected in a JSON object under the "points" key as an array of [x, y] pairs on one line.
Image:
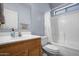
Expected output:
{"points": [[30, 47], [35, 48]]}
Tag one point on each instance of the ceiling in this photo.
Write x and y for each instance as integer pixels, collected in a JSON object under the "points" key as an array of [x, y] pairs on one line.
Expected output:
{"points": [[51, 5], [55, 5], [43, 7]]}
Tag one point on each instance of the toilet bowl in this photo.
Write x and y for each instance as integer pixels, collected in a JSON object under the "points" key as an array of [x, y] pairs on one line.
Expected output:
{"points": [[50, 49]]}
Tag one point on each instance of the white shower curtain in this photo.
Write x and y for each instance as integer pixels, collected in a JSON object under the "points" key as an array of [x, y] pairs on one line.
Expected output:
{"points": [[65, 29]]}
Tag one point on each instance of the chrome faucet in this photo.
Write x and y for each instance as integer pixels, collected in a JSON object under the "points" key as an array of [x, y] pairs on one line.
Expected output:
{"points": [[19, 34]]}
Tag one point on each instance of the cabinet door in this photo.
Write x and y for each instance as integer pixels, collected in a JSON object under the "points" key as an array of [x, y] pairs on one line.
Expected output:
{"points": [[34, 52]]}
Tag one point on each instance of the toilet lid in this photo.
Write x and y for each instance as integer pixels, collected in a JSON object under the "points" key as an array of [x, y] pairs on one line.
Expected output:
{"points": [[51, 48]]}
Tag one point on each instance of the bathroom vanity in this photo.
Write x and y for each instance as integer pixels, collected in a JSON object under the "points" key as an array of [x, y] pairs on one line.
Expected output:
{"points": [[28, 45]]}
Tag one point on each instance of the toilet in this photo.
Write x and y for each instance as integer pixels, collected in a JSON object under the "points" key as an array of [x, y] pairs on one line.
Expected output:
{"points": [[48, 48]]}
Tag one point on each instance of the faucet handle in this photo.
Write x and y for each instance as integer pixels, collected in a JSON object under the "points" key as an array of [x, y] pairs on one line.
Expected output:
{"points": [[19, 34]]}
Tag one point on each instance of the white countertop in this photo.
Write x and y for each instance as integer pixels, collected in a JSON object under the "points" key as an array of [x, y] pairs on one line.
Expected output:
{"points": [[9, 39]]}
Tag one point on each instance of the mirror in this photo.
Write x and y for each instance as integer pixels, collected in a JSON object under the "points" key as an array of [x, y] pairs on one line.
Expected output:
{"points": [[11, 20], [15, 18]]}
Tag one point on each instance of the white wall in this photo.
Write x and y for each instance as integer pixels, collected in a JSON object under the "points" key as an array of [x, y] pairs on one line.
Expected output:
{"points": [[37, 14]]}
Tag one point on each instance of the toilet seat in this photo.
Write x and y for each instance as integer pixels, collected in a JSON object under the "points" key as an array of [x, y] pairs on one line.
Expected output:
{"points": [[51, 49]]}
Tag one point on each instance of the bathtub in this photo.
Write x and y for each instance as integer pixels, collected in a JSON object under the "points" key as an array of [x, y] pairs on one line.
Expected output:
{"points": [[65, 49]]}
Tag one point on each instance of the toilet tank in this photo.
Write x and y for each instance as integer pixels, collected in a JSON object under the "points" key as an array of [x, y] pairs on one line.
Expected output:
{"points": [[44, 40]]}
